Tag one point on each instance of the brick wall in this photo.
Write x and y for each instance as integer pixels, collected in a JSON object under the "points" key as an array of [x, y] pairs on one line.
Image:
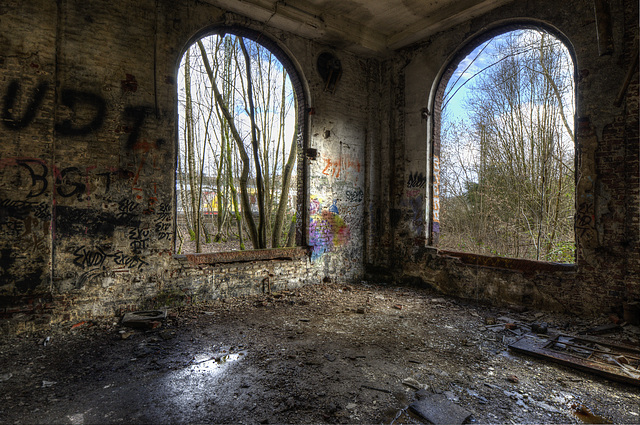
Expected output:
{"points": [[88, 151], [88, 159], [606, 271]]}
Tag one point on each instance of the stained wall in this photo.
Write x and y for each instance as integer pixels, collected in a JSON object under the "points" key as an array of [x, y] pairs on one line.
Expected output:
{"points": [[88, 153], [605, 275]]}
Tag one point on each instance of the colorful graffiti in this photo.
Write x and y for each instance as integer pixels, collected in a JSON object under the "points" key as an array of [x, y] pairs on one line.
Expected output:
{"points": [[436, 194], [343, 167], [327, 230]]}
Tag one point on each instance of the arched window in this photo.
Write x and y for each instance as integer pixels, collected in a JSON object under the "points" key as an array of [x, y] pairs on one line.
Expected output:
{"points": [[240, 133], [504, 151]]}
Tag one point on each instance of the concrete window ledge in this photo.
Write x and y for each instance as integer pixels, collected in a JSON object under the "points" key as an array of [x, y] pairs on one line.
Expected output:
{"points": [[296, 253], [516, 264]]}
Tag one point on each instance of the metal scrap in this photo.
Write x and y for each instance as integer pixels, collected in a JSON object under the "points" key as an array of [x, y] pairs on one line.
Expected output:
{"points": [[596, 355]]}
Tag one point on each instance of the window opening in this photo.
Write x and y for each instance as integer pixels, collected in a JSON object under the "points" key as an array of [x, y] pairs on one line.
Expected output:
{"points": [[236, 176], [504, 162]]}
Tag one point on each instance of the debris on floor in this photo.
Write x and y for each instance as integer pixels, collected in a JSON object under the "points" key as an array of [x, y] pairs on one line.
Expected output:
{"points": [[437, 409], [308, 356], [595, 355], [149, 319]]}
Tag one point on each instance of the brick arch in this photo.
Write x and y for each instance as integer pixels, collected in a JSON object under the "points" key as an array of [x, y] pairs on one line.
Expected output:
{"points": [[436, 98], [302, 100]]}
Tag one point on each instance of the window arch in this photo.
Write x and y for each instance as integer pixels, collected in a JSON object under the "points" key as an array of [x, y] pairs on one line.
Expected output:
{"points": [[241, 168], [502, 151]]}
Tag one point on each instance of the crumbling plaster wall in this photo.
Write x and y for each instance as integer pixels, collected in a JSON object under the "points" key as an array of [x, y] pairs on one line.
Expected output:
{"points": [[607, 269], [88, 151]]}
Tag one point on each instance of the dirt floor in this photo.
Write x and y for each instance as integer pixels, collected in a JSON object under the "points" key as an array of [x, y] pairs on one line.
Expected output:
{"points": [[321, 354]]}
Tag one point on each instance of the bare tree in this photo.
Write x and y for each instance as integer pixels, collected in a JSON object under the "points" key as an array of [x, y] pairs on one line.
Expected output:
{"points": [[239, 136], [508, 170]]}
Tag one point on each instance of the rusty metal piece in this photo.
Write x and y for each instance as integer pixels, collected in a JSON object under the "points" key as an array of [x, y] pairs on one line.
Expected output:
{"points": [[596, 350]]}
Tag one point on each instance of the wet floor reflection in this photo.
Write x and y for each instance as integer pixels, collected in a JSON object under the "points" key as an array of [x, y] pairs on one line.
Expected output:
{"points": [[202, 385]]}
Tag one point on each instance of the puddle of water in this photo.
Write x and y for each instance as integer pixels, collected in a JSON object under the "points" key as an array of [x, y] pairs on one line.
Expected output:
{"points": [[214, 364], [585, 415]]}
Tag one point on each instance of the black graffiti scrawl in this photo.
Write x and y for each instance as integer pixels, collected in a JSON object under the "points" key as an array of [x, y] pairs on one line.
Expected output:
{"points": [[8, 116]]}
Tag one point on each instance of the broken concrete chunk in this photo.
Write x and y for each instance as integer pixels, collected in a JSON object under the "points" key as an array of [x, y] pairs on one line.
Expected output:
{"points": [[410, 382], [149, 319], [540, 328], [438, 410]]}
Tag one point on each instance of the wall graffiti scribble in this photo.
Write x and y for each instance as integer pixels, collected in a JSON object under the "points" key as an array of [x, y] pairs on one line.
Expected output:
{"points": [[96, 257], [416, 180], [342, 167], [327, 231], [73, 99], [354, 195], [29, 114]]}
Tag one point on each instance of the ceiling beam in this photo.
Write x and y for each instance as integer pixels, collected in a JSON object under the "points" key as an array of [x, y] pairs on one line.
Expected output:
{"points": [[305, 20], [442, 19]]}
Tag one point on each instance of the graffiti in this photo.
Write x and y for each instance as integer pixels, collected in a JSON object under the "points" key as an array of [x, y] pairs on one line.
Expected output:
{"points": [[30, 112], [436, 191], [68, 181], [314, 206], [585, 221], [126, 207], [355, 195], [417, 209], [413, 193], [65, 186], [327, 231], [164, 212], [139, 238], [73, 98], [88, 277], [162, 227], [12, 228], [37, 170], [138, 115], [96, 257], [129, 261], [334, 208], [341, 167], [21, 209], [84, 257], [72, 220], [416, 180], [416, 219], [163, 221]]}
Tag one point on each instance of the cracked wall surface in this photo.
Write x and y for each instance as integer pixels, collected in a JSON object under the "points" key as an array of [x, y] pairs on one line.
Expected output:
{"points": [[88, 153], [606, 272]]}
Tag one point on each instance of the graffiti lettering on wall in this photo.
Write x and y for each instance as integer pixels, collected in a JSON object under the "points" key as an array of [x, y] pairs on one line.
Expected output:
{"points": [[416, 180], [34, 211], [354, 195], [139, 239], [585, 224], [344, 167], [85, 114], [163, 222], [87, 109], [436, 194], [13, 123], [97, 256], [327, 229]]}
